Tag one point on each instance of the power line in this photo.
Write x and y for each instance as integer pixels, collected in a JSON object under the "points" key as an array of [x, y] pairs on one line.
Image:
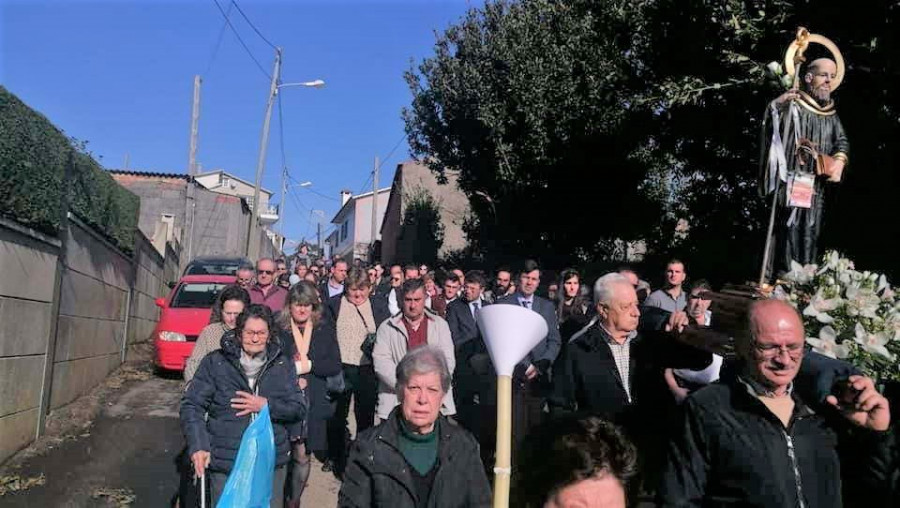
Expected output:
{"points": [[244, 45], [261, 36], [215, 52]]}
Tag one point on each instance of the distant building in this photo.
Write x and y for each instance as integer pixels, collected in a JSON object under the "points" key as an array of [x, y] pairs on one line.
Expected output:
{"points": [[221, 182], [411, 179], [352, 237], [204, 222]]}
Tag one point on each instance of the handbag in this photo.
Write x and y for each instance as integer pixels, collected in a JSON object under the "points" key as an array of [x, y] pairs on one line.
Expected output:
{"points": [[335, 385], [368, 344]]}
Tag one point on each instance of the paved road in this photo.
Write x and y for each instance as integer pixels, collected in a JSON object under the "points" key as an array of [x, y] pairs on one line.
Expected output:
{"points": [[128, 457]]}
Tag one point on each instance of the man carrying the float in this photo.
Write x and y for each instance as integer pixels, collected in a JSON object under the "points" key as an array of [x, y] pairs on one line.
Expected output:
{"points": [[804, 147]]}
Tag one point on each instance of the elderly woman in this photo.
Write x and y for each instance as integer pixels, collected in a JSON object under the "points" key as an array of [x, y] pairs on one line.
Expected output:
{"points": [[311, 342], [416, 457], [231, 386], [229, 305], [356, 316]]}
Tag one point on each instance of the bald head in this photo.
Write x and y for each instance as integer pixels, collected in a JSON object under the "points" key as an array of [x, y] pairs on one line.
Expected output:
{"points": [[773, 348], [819, 76]]}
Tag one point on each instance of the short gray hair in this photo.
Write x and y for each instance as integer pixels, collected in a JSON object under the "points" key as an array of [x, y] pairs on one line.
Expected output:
{"points": [[603, 288], [422, 360]]}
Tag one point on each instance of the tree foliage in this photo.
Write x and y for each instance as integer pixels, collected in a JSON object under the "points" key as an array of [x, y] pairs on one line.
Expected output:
{"points": [[421, 232], [576, 123]]}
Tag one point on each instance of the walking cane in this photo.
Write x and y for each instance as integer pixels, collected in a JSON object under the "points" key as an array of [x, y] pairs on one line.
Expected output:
{"points": [[510, 332], [203, 490]]}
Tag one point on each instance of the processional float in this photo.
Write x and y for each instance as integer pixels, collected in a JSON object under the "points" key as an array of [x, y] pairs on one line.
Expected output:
{"points": [[509, 332]]}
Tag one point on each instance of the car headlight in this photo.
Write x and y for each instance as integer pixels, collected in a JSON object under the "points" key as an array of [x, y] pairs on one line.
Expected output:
{"points": [[172, 337]]}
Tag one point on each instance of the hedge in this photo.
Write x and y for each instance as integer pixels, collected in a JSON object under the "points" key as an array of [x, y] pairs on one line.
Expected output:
{"points": [[33, 158]]}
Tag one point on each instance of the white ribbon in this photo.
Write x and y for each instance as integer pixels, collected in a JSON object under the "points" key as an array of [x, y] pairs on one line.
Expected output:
{"points": [[777, 158]]}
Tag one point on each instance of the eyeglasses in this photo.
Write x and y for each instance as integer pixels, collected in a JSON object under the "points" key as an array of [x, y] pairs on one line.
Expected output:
{"points": [[250, 333], [266, 272], [795, 351]]}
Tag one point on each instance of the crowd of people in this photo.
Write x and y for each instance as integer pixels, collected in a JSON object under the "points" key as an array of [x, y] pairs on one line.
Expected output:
{"points": [[609, 409]]}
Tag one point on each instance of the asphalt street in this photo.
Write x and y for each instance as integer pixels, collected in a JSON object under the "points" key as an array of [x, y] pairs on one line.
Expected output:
{"points": [[127, 457]]}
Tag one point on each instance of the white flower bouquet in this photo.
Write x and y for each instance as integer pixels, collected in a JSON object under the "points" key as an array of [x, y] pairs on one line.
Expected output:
{"points": [[848, 314]]}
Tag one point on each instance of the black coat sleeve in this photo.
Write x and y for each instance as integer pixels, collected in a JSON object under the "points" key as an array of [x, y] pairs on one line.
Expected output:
{"points": [[324, 351], [683, 482], [356, 489], [563, 398], [194, 403], [287, 403]]}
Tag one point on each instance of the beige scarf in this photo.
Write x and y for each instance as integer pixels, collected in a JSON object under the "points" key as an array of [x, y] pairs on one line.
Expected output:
{"points": [[302, 341]]}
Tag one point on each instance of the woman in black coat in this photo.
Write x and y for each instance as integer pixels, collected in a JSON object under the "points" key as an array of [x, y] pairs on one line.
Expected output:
{"points": [[312, 344], [231, 385]]}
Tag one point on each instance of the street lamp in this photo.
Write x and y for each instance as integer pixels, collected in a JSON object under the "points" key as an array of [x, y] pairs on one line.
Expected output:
{"points": [[252, 240]]}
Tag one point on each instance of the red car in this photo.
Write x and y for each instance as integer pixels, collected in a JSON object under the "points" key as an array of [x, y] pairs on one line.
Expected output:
{"points": [[185, 312]]}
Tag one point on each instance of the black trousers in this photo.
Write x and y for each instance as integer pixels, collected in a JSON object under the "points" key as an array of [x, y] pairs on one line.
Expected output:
{"points": [[362, 385]]}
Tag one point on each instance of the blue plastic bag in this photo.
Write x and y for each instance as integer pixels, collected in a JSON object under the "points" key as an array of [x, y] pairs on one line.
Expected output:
{"points": [[249, 484]]}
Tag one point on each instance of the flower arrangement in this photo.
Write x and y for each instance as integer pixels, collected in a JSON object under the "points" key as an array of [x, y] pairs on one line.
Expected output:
{"points": [[848, 314]]}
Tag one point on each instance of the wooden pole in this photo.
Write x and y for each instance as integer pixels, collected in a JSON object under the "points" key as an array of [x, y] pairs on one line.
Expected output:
{"points": [[502, 466]]}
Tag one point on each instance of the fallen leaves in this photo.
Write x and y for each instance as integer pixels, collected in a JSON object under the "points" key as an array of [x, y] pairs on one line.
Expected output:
{"points": [[15, 483], [121, 498]]}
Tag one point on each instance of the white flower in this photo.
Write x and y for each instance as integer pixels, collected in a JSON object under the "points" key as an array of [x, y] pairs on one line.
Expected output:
{"points": [[819, 307], [882, 283], [832, 261], [827, 344], [873, 342], [863, 302], [800, 274]]}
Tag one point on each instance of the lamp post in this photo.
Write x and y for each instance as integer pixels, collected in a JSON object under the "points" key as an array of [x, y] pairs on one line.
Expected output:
{"points": [[252, 236]]}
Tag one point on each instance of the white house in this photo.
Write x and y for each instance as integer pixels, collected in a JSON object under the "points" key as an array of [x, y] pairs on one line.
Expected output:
{"points": [[353, 224], [225, 183]]}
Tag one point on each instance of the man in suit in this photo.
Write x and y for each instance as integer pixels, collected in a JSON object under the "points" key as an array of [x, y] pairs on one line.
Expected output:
{"points": [[448, 294], [474, 379], [531, 378]]}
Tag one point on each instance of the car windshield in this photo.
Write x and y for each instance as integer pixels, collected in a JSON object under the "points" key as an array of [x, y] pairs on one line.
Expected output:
{"points": [[215, 268], [197, 295]]}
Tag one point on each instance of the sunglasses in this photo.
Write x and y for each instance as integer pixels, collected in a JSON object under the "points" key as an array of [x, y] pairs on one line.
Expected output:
{"points": [[267, 272]]}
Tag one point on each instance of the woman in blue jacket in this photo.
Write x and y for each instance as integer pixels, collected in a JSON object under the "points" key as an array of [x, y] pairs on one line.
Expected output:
{"points": [[231, 385]]}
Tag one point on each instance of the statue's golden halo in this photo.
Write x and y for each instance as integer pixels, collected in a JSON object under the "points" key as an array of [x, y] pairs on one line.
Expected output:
{"points": [[803, 40]]}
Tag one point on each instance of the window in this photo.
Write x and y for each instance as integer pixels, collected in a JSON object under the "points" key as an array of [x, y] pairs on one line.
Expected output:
{"points": [[196, 295], [344, 229]]}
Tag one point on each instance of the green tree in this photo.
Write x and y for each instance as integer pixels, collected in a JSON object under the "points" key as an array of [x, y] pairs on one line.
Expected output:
{"points": [[421, 233], [576, 123]]}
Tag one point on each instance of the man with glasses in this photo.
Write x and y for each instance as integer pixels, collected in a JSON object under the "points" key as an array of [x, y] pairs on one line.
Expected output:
{"points": [[265, 291], [755, 441]]}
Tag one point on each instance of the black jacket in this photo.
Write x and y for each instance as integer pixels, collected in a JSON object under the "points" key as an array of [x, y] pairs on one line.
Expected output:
{"points": [[588, 380], [543, 355], [377, 475], [474, 373], [379, 309], [214, 385], [731, 450], [326, 361]]}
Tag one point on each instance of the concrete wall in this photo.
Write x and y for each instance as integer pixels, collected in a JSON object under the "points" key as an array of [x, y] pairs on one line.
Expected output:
{"points": [[93, 307], [454, 207], [220, 226], [149, 284], [67, 317], [26, 305]]}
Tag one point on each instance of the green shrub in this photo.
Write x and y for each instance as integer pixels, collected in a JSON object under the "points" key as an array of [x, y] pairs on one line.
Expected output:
{"points": [[33, 158]]}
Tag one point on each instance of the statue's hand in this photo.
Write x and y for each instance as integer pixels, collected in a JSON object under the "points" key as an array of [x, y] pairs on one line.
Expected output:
{"points": [[786, 96]]}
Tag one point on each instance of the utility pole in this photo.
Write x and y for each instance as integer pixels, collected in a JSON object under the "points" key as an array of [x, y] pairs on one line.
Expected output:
{"points": [[253, 235], [374, 210], [281, 206], [319, 237], [195, 121]]}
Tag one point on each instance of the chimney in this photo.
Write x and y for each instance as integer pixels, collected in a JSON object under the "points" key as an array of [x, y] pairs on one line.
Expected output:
{"points": [[345, 196]]}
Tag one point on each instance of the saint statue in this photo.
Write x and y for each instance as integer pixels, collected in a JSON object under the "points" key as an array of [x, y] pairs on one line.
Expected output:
{"points": [[808, 148]]}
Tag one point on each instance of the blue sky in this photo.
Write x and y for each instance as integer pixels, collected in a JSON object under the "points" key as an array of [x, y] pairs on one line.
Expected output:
{"points": [[119, 74]]}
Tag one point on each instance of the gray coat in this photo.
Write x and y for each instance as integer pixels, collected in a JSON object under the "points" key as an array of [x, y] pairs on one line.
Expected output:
{"points": [[390, 348]]}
